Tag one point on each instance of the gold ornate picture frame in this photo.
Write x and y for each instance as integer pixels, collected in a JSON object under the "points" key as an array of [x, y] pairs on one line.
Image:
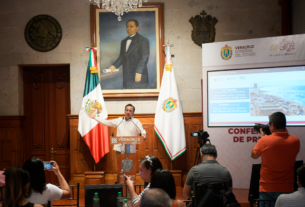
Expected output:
{"points": [[107, 33]]}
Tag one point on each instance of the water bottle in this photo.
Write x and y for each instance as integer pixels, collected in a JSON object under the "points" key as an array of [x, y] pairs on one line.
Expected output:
{"points": [[128, 196], [125, 203], [119, 200], [96, 200]]}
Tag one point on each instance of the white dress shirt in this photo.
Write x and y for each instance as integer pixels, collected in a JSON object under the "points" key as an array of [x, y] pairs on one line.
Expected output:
{"points": [[125, 128], [128, 42]]}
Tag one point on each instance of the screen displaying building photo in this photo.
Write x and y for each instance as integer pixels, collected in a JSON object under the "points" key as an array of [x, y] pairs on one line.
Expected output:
{"points": [[248, 96]]}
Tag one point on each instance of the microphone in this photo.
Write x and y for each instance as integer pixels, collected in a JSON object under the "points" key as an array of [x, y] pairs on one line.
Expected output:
{"points": [[118, 125], [136, 126]]}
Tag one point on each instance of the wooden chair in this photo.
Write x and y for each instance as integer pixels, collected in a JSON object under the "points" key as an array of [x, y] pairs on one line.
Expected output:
{"points": [[1, 193], [74, 197]]}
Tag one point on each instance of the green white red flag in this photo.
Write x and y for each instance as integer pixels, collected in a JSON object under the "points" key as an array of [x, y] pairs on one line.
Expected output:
{"points": [[169, 123], [94, 134]]}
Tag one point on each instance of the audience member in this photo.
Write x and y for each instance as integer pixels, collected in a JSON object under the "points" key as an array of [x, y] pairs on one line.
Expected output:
{"points": [[207, 172], [17, 183], [40, 191], [155, 198], [278, 152], [148, 166], [297, 198], [163, 179]]}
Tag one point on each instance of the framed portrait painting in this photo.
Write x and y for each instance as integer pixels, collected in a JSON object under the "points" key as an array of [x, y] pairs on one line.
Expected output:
{"points": [[130, 55]]}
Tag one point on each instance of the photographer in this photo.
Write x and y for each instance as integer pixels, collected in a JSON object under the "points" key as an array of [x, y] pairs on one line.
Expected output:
{"points": [[41, 191], [278, 152]]}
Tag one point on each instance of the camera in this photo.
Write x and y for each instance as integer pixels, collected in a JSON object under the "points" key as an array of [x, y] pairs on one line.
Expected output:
{"points": [[202, 137], [201, 134], [48, 165], [265, 128]]}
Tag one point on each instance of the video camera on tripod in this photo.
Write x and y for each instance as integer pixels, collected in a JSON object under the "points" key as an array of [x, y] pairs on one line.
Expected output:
{"points": [[202, 139]]}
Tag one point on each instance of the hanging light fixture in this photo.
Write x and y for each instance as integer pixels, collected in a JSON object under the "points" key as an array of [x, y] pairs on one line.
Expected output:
{"points": [[118, 7]]}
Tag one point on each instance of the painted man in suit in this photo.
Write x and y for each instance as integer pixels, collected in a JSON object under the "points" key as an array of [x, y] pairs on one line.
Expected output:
{"points": [[134, 56]]}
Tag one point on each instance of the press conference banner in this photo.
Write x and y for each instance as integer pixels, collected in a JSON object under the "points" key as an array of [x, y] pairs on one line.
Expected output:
{"points": [[244, 81]]}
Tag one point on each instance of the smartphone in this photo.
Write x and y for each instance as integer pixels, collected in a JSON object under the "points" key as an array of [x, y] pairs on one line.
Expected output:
{"points": [[48, 165], [122, 172]]}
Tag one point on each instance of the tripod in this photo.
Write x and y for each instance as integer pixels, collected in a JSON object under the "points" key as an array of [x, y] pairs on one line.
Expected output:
{"points": [[201, 142]]}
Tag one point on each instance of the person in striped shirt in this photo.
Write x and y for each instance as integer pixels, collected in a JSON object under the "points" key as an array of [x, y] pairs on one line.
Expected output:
{"points": [[296, 199], [148, 166]]}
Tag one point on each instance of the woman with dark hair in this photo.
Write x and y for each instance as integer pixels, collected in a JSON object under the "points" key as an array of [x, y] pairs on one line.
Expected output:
{"points": [[17, 183], [164, 180], [148, 166], [40, 191]]}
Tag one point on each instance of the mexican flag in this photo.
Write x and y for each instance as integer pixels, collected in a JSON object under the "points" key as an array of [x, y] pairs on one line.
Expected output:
{"points": [[94, 134], [169, 124]]}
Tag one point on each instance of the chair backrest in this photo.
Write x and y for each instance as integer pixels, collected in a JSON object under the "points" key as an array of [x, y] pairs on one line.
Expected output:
{"points": [[137, 187], [208, 194], [74, 198], [107, 194], [255, 176]]}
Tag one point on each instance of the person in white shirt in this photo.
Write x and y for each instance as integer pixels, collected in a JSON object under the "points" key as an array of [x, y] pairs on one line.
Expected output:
{"points": [[125, 126], [40, 191], [296, 199]]}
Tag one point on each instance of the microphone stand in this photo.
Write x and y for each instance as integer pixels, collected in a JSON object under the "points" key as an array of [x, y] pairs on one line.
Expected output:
{"points": [[136, 126], [117, 126]]}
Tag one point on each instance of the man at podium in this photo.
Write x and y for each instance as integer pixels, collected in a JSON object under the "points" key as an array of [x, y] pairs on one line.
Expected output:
{"points": [[126, 126]]}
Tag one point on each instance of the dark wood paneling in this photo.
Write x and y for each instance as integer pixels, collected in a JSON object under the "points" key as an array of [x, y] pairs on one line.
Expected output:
{"points": [[81, 160], [11, 140]]}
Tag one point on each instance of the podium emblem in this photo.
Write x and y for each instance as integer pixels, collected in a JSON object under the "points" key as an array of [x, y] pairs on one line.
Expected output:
{"points": [[127, 164]]}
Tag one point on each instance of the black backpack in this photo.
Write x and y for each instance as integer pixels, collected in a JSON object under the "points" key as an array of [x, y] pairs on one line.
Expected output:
{"points": [[228, 199], [213, 197]]}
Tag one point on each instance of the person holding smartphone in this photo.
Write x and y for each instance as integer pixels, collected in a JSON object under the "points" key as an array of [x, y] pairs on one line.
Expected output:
{"points": [[40, 191]]}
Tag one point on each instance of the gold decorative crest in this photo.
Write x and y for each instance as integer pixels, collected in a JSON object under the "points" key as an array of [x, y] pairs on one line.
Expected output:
{"points": [[168, 67], [93, 70], [273, 47], [226, 52], [43, 33]]}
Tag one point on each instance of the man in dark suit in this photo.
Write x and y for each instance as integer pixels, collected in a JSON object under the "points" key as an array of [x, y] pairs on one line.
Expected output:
{"points": [[134, 56]]}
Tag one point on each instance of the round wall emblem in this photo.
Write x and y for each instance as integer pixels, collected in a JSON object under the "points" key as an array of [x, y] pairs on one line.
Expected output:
{"points": [[43, 33]]}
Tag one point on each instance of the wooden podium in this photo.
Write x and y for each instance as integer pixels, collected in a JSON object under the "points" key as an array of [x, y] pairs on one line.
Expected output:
{"points": [[126, 161]]}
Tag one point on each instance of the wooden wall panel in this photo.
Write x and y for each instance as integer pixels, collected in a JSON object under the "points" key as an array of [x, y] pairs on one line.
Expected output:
{"points": [[81, 159], [11, 141]]}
